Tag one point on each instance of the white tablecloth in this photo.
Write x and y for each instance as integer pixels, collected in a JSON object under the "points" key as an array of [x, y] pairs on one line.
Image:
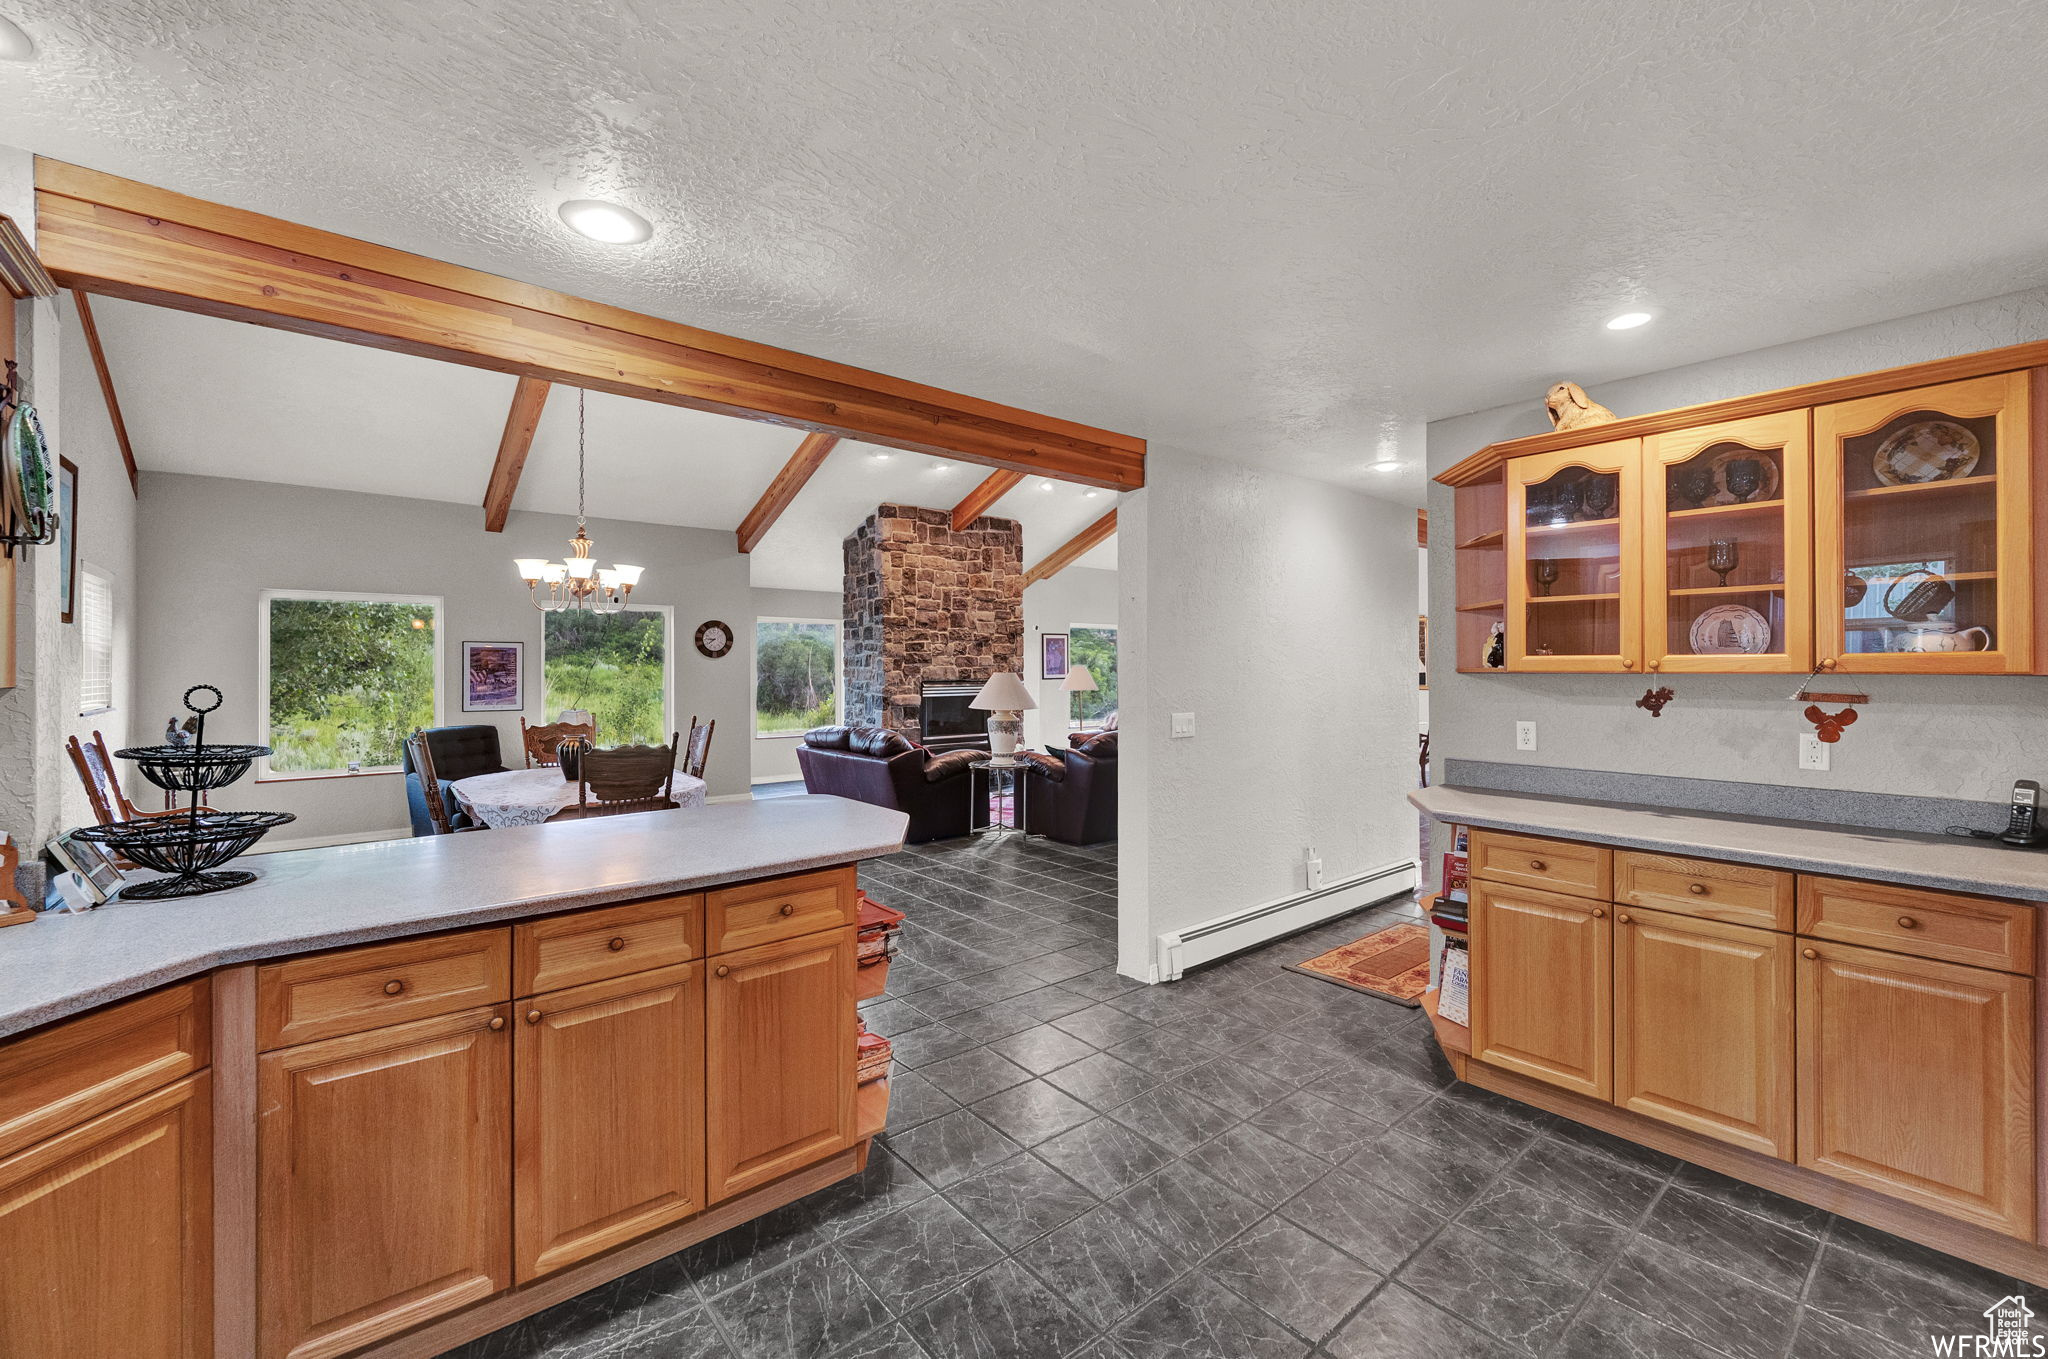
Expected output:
{"points": [[527, 797]]}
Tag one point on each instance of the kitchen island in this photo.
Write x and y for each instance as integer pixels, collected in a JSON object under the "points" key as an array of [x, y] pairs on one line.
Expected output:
{"points": [[391, 1097]]}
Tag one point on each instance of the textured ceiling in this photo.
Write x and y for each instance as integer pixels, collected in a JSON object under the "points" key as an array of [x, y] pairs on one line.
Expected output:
{"points": [[1285, 231], [223, 399]]}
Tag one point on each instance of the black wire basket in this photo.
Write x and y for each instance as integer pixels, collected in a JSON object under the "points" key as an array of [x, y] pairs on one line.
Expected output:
{"points": [[190, 769]]}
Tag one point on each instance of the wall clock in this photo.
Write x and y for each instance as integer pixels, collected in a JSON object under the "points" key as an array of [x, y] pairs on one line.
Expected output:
{"points": [[714, 639]]}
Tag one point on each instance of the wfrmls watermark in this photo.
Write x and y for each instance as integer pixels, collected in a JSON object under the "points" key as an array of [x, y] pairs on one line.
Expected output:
{"points": [[2008, 1331]]}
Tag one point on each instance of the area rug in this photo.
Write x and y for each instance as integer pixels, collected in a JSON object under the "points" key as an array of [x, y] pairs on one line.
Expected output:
{"points": [[1391, 963]]}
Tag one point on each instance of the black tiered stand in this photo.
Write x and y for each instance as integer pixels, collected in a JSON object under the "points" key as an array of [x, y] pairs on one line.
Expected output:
{"points": [[193, 846]]}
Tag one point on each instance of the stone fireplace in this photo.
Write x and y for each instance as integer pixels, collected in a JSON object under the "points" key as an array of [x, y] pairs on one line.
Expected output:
{"points": [[927, 604]]}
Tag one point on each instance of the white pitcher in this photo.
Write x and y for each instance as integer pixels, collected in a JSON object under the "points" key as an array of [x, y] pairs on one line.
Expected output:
{"points": [[1940, 637]]}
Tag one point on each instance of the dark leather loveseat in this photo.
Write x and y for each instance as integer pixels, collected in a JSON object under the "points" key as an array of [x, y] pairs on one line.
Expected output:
{"points": [[1072, 798], [458, 752], [884, 767]]}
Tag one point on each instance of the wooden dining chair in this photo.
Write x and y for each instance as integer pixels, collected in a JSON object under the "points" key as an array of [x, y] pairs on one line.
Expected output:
{"points": [[624, 779], [699, 750], [540, 742], [421, 753], [95, 768]]}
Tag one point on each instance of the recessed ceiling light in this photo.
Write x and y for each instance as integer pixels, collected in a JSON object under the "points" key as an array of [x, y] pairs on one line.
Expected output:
{"points": [[15, 43], [1090, 493], [1629, 320], [1045, 486], [941, 465], [882, 457], [1384, 466], [607, 222]]}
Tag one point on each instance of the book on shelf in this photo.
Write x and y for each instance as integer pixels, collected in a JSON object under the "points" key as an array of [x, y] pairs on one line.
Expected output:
{"points": [[1453, 1001]]}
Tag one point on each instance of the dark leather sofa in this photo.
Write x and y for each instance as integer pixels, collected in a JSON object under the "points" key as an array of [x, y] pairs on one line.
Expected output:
{"points": [[459, 753], [884, 767], [1072, 798]]}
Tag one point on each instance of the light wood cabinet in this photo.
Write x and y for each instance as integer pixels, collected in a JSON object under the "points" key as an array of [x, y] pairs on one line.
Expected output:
{"points": [[325, 995], [779, 908], [1548, 865], [67, 1073], [608, 1091], [1574, 559], [779, 1060], [1542, 986], [1737, 894], [559, 951], [106, 1234], [1703, 1027], [1916, 1078], [384, 1169]]}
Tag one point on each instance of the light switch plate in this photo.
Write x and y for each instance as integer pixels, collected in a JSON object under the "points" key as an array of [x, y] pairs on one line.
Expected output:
{"points": [[1183, 724]]}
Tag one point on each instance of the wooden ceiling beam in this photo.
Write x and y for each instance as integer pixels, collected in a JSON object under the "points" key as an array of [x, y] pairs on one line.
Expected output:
{"points": [[513, 445], [802, 465], [91, 330], [979, 500], [111, 236], [1072, 550]]}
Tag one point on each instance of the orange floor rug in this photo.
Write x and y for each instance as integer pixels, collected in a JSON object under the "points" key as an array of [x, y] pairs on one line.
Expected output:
{"points": [[1391, 963]]}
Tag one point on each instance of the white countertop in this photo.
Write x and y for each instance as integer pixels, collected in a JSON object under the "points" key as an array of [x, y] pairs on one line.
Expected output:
{"points": [[1946, 862], [308, 899]]}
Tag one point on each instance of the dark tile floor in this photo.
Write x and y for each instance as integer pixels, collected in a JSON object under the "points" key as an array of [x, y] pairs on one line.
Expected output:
{"points": [[1245, 1163]]}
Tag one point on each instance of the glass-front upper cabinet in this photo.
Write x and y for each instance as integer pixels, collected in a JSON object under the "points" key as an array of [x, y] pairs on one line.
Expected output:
{"points": [[1923, 552], [1727, 550], [1574, 559]]}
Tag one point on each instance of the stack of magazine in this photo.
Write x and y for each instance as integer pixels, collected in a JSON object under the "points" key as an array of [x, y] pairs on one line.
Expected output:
{"points": [[1451, 914]]}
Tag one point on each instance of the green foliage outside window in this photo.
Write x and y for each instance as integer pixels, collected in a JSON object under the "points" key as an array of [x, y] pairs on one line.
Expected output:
{"points": [[795, 676], [349, 680], [612, 664], [1096, 649]]}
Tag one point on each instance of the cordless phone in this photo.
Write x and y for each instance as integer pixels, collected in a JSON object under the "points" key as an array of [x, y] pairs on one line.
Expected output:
{"points": [[2023, 826]]}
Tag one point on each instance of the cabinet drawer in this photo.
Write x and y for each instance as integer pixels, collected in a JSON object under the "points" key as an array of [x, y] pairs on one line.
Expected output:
{"points": [[58, 1077], [778, 908], [611, 941], [1948, 926], [1736, 893], [1551, 865], [325, 995]]}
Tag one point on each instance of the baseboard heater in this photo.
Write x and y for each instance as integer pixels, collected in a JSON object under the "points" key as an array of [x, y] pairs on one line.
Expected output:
{"points": [[1180, 950]]}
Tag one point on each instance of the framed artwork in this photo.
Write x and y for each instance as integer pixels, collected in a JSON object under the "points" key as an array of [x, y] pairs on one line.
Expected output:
{"points": [[67, 536], [1052, 655], [493, 677]]}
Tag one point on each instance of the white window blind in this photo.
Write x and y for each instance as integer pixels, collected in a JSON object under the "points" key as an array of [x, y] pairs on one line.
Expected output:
{"points": [[96, 627]]}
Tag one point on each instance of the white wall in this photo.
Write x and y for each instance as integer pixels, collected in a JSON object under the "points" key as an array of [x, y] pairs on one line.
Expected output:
{"points": [[209, 546], [774, 757], [1280, 612], [1957, 737], [1077, 595]]}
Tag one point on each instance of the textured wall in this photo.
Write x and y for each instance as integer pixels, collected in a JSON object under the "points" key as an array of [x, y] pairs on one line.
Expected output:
{"points": [[926, 603], [1281, 612], [1948, 737]]}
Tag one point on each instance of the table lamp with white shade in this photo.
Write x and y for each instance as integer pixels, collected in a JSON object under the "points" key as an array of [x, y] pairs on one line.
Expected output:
{"points": [[1078, 681], [1005, 698]]}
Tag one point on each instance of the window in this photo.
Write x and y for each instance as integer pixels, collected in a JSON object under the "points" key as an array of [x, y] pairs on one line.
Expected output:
{"points": [[614, 666], [796, 675], [1094, 647], [347, 678], [96, 630]]}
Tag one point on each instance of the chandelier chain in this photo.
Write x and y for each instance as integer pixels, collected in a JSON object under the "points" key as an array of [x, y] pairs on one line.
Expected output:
{"points": [[579, 461]]}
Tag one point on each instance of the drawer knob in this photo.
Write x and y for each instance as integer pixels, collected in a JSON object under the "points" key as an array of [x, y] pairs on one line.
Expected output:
{"points": [[723, 970], [497, 1023], [1623, 917], [1698, 889], [1907, 922], [1600, 913], [1809, 953], [617, 942], [393, 987], [533, 1016], [789, 908], [1537, 865]]}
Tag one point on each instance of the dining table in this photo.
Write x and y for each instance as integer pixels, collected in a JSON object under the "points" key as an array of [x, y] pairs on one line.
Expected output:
{"points": [[527, 797]]}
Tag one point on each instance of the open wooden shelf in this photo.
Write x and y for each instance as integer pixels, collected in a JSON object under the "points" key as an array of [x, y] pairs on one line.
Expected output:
{"points": [[1951, 485], [1741, 507], [1449, 1036], [1484, 606], [1774, 588], [1946, 575], [1496, 538], [1576, 526], [871, 1108], [1570, 599]]}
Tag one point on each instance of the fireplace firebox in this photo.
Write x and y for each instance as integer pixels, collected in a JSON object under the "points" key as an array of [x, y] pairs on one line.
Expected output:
{"points": [[945, 722]]}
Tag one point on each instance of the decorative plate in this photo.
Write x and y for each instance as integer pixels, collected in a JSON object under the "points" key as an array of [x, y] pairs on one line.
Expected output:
{"points": [[31, 483], [1722, 495], [1731, 630], [714, 639], [1933, 450]]}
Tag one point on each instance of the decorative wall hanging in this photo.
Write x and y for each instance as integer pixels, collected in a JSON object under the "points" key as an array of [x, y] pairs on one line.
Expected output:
{"points": [[714, 639], [1653, 701], [28, 474], [1570, 408], [493, 677], [1828, 726], [1052, 655]]}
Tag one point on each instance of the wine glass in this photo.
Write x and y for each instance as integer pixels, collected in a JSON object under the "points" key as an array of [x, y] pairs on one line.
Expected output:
{"points": [[1544, 571], [1599, 497], [1745, 477], [1564, 502], [1695, 483], [1721, 558]]}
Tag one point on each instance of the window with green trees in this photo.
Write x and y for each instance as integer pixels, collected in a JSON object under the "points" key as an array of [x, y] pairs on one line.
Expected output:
{"points": [[349, 677], [615, 665], [796, 675], [1096, 649]]}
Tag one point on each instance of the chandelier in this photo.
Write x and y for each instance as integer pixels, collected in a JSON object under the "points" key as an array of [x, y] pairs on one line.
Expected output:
{"points": [[578, 583]]}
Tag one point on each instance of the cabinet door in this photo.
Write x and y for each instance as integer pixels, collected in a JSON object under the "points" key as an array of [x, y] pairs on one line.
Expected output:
{"points": [[609, 1136], [1574, 540], [1727, 517], [779, 1059], [1542, 987], [1916, 1078], [384, 1181], [1923, 539], [107, 1234], [1703, 1027]]}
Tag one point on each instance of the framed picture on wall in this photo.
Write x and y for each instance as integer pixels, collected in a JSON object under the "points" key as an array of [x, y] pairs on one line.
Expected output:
{"points": [[493, 677], [67, 536], [1052, 655]]}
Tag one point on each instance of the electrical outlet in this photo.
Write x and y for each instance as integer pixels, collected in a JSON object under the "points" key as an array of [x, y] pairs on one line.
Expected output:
{"points": [[1525, 736], [1813, 752], [1313, 868], [1183, 724]]}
